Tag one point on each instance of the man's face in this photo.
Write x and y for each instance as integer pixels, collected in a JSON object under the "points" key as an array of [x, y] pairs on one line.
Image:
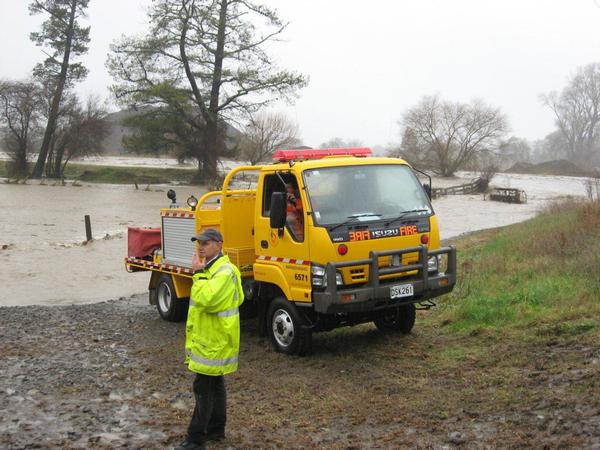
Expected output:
{"points": [[208, 249]]}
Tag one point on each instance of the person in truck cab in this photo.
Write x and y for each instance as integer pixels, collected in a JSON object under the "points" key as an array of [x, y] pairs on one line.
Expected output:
{"points": [[295, 212], [212, 336]]}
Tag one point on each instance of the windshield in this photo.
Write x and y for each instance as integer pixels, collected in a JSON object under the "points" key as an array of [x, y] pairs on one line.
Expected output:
{"points": [[365, 193]]}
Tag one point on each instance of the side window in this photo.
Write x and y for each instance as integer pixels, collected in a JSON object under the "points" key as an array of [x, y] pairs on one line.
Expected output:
{"points": [[295, 208], [272, 184]]}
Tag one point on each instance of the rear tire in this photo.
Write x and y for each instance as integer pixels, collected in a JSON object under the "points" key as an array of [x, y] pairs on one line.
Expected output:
{"points": [[400, 318], [169, 306], [287, 329]]}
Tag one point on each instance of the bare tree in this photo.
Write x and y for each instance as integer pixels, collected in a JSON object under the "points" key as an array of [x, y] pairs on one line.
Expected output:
{"points": [[552, 147], [513, 150], [79, 131], [204, 59], [577, 112], [65, 37], [21, 105], [265, 133], [444, 137]]}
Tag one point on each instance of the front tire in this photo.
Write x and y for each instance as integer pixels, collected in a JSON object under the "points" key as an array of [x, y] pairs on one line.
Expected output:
{"points": [[287, 329], [169, 306], [400, 318]]}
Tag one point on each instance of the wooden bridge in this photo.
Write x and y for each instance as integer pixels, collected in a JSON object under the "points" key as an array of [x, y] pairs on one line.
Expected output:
{"points": [[472, 187]]}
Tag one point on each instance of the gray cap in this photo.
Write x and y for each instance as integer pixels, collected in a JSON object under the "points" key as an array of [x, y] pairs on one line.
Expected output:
{"points": [[210, 234]]}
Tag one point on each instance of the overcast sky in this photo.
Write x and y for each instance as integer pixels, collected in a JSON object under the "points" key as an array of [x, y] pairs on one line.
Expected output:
{"points": [[370, 61]]}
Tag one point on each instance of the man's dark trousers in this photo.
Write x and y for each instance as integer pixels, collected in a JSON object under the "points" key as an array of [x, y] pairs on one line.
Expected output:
{"points": [[210, 412]]}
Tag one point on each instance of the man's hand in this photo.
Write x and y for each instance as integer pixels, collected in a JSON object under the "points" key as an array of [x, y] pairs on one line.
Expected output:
{"points": [[197, 262]]}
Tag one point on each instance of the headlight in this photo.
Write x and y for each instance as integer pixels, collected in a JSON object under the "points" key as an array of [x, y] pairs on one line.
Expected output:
{"points": [[318, 271], [192, 202], [319, 278], [432, 264]]}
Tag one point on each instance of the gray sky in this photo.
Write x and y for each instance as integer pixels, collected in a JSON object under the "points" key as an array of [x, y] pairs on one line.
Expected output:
{"points": [[370, 61]]}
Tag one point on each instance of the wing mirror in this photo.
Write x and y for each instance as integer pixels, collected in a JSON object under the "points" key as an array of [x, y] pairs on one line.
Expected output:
{"points": [[277, 213]]}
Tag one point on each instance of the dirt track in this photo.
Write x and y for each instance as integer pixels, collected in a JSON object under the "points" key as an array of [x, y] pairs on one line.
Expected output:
{"points": [[110, 375]]}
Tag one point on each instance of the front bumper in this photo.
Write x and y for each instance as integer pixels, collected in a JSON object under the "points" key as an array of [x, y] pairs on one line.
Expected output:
{"points": [[375, 294]]}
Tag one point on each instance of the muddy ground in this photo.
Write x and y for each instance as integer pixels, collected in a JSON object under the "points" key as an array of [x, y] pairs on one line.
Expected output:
{"points": [[110, 375]]}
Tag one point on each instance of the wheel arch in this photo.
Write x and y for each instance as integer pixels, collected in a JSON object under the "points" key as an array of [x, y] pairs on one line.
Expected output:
{"points": [[272, 275], [266, 292], [181, 283]]}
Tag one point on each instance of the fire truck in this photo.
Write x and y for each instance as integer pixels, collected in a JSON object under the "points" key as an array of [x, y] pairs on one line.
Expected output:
{"points": [[323, 239]]}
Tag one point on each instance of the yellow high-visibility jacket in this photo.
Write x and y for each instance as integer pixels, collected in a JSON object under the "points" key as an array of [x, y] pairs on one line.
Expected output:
{"points": [[212, 342]]}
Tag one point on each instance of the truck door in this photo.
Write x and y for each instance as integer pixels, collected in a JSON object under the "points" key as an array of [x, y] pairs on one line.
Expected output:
{"points": [[284, 257]]}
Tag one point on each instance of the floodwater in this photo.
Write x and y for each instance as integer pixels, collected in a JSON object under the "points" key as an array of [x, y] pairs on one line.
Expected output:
{"points": [[42, 232], [458, 214]]}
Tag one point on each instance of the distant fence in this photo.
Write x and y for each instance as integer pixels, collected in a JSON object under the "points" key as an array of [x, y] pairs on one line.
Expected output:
{"points": [[470, 188]]}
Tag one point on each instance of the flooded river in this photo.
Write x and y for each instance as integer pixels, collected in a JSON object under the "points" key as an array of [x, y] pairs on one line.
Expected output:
{"points": [[42, 232]]}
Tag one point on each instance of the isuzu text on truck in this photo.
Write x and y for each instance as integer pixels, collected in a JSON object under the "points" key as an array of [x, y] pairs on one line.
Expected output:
{"points": [[323, 239]]}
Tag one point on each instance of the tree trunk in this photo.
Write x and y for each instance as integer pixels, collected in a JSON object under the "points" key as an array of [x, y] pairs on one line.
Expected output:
{"points": [[57, 164], [210, 157], [49, 159], [20, 167], [212, 122], [54, 109]]}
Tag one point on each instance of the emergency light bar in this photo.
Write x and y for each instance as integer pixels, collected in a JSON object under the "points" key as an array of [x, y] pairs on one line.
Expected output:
{"points": [[289, 155]]}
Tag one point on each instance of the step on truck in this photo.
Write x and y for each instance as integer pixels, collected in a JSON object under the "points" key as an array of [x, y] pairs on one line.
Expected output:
{"points": [[323, 239]]}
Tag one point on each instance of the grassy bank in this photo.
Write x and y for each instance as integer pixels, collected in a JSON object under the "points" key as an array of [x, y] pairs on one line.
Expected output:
{"points": [[540, 277], [119, 175], [509, 360]]}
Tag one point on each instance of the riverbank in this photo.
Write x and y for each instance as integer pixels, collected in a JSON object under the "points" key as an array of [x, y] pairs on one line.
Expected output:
{"points": [[94, 173]]}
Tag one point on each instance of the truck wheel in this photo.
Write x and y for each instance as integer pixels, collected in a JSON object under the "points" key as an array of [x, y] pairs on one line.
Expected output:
{"points": [[169, 306], [288, 331], [400, 318]]}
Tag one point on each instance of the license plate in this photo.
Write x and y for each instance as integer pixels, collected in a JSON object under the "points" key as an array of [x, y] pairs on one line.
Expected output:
{"points": [[401, 290]]}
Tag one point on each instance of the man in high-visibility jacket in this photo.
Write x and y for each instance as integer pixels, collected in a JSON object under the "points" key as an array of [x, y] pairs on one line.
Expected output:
{"points": [[212, 336]]}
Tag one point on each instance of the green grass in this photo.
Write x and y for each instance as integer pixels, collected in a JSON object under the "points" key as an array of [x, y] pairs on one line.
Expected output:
{"points": [[536, 278], [119, 175]]}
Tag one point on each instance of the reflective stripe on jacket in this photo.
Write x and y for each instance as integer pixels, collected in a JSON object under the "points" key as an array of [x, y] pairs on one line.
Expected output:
{"points": [[212, 342]]}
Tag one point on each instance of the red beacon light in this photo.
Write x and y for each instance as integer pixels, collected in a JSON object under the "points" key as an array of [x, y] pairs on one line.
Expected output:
{"points": [[299, 154]]}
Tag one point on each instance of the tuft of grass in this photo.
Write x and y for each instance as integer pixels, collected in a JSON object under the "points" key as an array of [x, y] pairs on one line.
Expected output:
{"points": [[569, 329], [528, 278]]}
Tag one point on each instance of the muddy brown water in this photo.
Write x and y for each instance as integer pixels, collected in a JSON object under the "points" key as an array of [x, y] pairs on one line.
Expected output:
{"points": [[42, 239]]}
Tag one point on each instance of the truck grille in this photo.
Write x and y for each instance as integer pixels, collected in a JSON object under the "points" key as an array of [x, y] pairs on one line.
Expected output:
{"points": [[358, 275]]}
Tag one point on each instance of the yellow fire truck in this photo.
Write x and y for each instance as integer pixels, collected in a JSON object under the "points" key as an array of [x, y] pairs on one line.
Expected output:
{"points": [[322, 238]]}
